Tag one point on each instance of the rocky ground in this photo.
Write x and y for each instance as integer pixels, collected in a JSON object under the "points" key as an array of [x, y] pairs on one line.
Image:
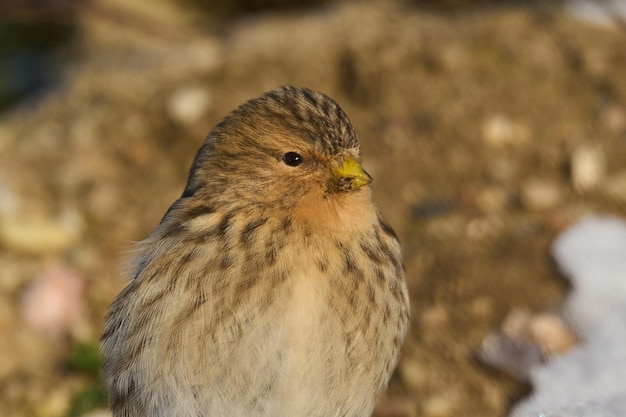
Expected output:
{"points": [[487, 132]]}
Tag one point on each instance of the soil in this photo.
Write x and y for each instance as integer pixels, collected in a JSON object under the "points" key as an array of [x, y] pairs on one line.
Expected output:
{"points": [[487, 133]]}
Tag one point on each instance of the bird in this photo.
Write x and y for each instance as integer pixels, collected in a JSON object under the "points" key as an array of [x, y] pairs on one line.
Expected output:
{"points": [[272, 286]]}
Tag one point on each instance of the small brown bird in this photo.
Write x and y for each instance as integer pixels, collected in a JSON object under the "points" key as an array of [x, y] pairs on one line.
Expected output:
{"points": [[272, 287]]}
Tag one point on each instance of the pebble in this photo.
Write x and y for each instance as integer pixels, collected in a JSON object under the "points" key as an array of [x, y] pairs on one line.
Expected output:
{"points": [[551, 333], [538, 194], [438, 406], [9, 201], [546, 330], [492, 199], [54, 404], [561, 219], [435, 317], [504, 169], [483, 227], [55, 300], [453, 56], [588, 167], [499, 131], [482, 307], [515, 325], [525, 340], [413, 373], [38, 234], [514, 357], [188, 105], [613, 119]]}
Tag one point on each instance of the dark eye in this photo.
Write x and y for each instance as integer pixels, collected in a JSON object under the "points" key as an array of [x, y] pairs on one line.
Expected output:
{"points": [[293, 159]]}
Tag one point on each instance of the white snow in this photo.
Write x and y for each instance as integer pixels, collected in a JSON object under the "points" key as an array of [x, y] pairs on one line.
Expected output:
{"points": [[590, 380], [606, 13]]}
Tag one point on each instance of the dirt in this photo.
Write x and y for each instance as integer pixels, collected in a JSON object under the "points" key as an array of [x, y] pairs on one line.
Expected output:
{"points": [[470, 124]]}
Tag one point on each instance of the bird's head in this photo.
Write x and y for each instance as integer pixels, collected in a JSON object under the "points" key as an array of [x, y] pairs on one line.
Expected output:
{"points": [[291, 149]]}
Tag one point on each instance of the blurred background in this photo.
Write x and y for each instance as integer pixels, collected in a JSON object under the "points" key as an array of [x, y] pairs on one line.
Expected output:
{"points": [[488, 126]]}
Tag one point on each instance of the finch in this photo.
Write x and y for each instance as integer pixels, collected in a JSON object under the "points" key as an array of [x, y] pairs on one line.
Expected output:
{"points": [[272, 286]]}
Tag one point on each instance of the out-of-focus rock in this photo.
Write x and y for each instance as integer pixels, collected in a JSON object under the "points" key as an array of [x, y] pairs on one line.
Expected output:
{"points": [[188, 105], [435, 317], [55, 301], [482, 307], [38, 234], [538, 194], [9, 201], [55, 404], [551, 333], [588, 167], [504, 169], [483, 227], [525, 340], [488, 199], [499, 131], [439, 405], [414, 373], [512, 356], [613, 119]]}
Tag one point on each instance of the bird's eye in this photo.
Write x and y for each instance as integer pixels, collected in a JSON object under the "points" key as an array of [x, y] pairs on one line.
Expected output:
{"points": [[293, 159]]}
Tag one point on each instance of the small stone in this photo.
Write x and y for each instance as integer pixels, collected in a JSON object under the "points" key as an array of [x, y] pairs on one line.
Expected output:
{"points": [[613, 119], [492, 199], [516, 325], [453, 56], [413, 373], [55, 301], [435, 317], [552, 334], [525, 340], [561, 219], [54, 404], [438, 406], [505, 169], [483, 227], [499, 131], [541, 194], [516, 357], [39, 234], [188, 105], [9, 201], [588, 167], [482, 307]]}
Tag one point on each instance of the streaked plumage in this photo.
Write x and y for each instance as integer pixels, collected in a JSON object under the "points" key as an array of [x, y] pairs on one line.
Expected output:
{"points": [[272, 287]]}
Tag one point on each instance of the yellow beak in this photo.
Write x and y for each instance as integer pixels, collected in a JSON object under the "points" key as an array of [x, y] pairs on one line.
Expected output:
{"points": [[349, 176]]}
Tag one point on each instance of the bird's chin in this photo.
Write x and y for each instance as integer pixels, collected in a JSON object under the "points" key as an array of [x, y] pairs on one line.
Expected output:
{"points": [[329, 212]]}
